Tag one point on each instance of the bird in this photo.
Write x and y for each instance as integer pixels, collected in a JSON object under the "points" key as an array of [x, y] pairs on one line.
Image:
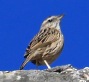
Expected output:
{"points": [[47, 44]]}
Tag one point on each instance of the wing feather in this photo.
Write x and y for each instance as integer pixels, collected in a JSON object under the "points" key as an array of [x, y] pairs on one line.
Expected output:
{"points": [[44, 38]]}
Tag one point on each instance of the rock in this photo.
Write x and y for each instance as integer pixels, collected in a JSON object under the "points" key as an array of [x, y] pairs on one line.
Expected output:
{"points": [[65, 73]]}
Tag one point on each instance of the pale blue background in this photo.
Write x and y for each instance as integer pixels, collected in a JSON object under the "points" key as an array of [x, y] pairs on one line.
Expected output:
{"points": [[20, 20]]}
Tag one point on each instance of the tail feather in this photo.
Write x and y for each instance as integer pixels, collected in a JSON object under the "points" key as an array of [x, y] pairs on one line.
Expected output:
{"points": [[25, 62]]}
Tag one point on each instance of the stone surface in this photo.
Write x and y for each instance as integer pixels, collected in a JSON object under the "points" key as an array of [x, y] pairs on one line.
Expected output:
{"points": [[65, 73]]}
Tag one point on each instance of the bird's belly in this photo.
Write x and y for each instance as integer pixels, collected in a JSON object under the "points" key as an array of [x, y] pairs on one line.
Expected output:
{"points": [[51, 54]]}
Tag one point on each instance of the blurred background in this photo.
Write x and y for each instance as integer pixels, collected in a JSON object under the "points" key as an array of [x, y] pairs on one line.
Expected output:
{"points": [[20, 20]]}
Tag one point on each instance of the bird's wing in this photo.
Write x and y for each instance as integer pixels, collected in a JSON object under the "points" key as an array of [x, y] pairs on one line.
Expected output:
{"points": [[44, 38]]}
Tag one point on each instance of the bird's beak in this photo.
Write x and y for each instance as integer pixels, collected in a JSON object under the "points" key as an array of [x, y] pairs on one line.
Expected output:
{"points": [[60, 16]]}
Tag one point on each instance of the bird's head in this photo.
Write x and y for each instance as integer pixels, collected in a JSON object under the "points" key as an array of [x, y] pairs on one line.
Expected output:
{"points": [[52, 22]]}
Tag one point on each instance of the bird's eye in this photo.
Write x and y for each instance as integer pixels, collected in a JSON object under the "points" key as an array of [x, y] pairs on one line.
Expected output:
{"points": [[50, 20]]}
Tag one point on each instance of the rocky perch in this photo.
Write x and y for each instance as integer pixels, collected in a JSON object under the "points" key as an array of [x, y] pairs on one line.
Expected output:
{"points": [[65, 73]]}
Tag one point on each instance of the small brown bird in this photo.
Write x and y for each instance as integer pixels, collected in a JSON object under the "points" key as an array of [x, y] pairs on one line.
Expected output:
{"points": [[46, 46]]}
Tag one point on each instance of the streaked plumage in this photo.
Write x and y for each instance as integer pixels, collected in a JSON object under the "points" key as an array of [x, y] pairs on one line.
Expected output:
{"points": [[47, 44]]}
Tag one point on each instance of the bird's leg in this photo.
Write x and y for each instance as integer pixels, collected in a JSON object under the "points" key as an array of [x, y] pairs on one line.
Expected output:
{"points": [[36, 64], [47, 64]]}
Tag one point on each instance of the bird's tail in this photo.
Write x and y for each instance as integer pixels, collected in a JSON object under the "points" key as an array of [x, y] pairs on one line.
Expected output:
{"points": [[25, 62]]}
